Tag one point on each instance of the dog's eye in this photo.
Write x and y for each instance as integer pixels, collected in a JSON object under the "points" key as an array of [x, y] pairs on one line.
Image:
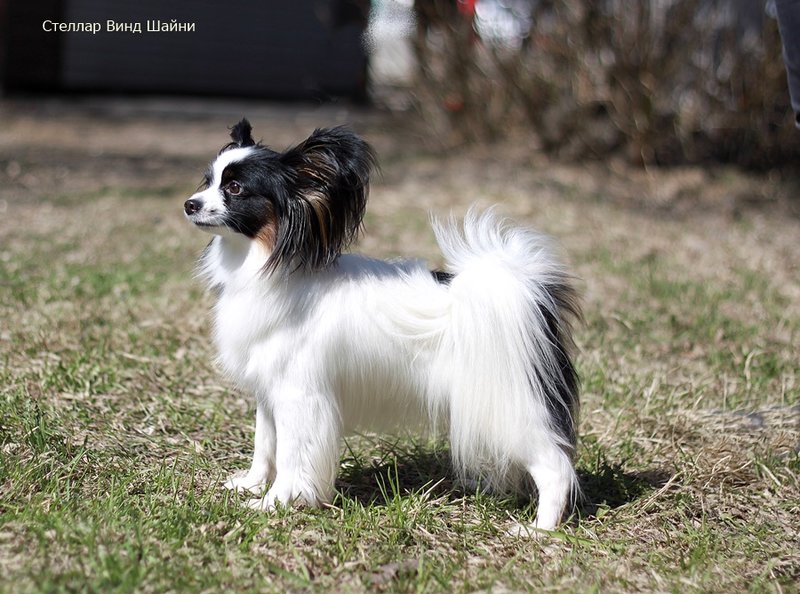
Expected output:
{"points": [[234, 188]]}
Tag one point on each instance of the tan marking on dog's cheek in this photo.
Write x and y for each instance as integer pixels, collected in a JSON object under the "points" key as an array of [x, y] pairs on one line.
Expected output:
{"points": [[267, 236]]}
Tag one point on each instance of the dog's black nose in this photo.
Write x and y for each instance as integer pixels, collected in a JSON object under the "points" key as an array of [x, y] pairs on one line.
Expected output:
{"points": [[192, 205]]}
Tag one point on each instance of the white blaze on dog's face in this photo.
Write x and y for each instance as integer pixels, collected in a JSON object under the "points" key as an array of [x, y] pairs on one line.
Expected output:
{"points": [[208, 209]]}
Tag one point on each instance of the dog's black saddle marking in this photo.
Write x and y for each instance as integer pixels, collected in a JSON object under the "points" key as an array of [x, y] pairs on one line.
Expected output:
{"points": [[442, 277]]}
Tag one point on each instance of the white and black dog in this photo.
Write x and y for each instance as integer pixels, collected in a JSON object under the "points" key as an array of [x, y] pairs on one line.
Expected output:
{"points": [[329, 343]]}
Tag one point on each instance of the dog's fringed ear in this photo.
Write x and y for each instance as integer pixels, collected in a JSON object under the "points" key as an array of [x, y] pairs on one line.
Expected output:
{"points": [[328, 178], [241, 134]]}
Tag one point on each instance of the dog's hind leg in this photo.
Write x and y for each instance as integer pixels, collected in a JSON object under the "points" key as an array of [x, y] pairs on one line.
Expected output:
{"points": [[556, 482]]}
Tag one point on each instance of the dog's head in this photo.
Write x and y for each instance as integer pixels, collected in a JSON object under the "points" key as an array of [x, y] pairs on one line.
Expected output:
{"points": [[305, 205]]}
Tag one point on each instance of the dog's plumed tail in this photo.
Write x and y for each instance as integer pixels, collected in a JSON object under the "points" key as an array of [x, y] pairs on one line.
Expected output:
{"points": [[514, 399]]}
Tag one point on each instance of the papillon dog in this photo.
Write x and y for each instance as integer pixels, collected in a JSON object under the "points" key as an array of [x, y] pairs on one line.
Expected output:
{"points": [[330, 342]]}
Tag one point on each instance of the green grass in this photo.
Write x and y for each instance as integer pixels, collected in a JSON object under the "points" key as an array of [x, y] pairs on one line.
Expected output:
{"points": [[116, 431]]}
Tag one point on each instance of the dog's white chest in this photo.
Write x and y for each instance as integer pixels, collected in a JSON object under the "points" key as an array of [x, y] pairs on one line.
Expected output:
{"points": [[240, 326]]}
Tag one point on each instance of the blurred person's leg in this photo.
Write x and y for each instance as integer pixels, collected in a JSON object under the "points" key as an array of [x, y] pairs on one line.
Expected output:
{"points": [[788, 13]]}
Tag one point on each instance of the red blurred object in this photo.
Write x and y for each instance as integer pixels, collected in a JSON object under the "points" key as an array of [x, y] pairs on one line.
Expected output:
{"points": [[466, 7], [453, 103]]}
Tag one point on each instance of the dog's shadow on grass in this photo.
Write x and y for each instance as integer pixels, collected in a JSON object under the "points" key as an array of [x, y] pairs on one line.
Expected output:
{"points": [[397, 472], [610, 486]]}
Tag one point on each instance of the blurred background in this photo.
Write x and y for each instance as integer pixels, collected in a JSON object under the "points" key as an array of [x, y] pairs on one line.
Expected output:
{"points": [[653, 81], [652, 138]]}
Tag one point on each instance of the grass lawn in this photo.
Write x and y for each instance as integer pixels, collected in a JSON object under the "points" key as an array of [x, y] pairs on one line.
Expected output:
{"points": [[116, 430]]}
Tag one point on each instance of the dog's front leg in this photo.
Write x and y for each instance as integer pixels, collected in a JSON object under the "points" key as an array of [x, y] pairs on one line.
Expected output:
{"points": [[262, 470], [307, 450]]}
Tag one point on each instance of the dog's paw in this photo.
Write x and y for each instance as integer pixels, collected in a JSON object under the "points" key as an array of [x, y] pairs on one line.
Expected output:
{"points": [[277, 497], [246, 484], [270, 501], [525, 530], [262, 504]]}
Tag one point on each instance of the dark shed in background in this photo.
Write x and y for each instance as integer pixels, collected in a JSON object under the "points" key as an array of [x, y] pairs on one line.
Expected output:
{"points": [[283, 50]]}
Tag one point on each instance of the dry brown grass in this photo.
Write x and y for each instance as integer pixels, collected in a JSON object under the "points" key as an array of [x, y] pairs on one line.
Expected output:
{"points": [[116, 429]]}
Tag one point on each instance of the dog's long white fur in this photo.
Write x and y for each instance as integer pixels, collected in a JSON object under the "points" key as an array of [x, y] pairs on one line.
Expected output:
{"points": [[369, 344]]}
